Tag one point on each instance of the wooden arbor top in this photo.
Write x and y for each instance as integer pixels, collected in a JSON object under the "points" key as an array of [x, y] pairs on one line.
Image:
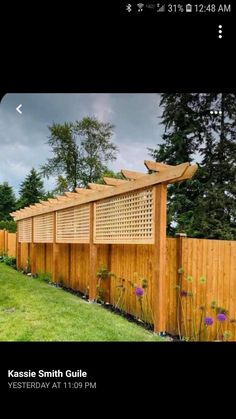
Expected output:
{"points": [[161, 173]]}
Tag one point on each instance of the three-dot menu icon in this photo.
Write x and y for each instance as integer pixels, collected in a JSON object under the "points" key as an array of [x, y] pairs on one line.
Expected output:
{"points": [[220, 31]]}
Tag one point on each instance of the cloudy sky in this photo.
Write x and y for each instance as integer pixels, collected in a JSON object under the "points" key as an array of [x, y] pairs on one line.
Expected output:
{"points": [[23, 138]]}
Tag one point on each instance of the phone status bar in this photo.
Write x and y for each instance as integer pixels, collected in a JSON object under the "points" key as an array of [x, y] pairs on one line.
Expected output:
{"points": [[144, 8]]}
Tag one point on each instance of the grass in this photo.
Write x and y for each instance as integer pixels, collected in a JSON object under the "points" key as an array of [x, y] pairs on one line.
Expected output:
{"points": [[32, 310]]}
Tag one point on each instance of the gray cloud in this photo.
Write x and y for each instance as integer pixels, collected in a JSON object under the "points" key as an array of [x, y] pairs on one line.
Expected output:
{"points": [[23, 137]]}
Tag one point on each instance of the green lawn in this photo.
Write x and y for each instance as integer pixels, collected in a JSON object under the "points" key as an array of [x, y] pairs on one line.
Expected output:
{"points": [[32, 310]]}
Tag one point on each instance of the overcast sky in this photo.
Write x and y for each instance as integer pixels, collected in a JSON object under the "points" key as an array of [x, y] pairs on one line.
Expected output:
{"points": [[23, 138]]}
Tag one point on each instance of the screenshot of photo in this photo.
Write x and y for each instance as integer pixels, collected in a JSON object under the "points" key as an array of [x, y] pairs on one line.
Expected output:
{"points": [[118, 205], [141, 232]]}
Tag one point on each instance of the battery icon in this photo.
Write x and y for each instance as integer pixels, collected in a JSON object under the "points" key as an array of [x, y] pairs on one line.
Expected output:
{"points": [[188, 7]]}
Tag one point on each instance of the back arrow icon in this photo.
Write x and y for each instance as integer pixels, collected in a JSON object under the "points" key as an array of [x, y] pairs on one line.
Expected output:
{"points": [[18, 109]]}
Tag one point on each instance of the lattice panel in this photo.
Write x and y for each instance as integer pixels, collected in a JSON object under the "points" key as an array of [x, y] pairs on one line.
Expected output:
{"points": [[24, 229], [125, 218], [43, 228], [73, 225]]}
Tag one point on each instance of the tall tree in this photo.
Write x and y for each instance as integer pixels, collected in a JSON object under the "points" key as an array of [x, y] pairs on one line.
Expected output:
{"points": [[81, 152], [205, 205], [216, 216], [7, 201], [31, 189]]}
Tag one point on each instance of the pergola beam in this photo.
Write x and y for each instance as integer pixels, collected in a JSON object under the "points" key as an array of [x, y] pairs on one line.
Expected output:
{"points": [[166, 176]]}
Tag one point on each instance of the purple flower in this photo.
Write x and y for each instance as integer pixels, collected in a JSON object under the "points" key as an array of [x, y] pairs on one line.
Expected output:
{"points": [[221, 317], [138, 291], [208, 321], [183, 293]]}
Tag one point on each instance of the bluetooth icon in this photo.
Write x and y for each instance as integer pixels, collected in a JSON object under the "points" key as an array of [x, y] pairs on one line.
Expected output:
{"points": [[129, 7]]}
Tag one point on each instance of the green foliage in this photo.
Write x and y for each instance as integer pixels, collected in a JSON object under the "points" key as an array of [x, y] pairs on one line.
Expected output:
{"points": [[45, 276], [47, 195], [31, 190], [204, 206], [8, 260], [10, 226], [191, 326], [81, 152], [102, 275], [62, 185], [7, 201]]}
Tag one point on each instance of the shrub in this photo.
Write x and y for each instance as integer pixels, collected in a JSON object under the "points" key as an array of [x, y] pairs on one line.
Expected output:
{"points": [[45, 276], [10, 226], [8, 260]]}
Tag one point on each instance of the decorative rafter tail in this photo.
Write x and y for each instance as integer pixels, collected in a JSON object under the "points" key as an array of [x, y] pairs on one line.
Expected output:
{"points": [[188, 174], [99, 187], [156, 166], [130, 174], [71, 194], [83, 191], [114, 182], [45, 203], [62, 198]]}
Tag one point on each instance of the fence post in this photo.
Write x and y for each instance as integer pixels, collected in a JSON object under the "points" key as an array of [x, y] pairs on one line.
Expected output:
{"points": [[18, 248], [55, 250], [179, 264], [92, 259], [33, 251], [159, 263]]}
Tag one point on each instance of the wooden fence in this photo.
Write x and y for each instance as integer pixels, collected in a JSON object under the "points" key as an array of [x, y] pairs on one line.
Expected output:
{"points": [[121, 225], [8, 243], [205, 269]]}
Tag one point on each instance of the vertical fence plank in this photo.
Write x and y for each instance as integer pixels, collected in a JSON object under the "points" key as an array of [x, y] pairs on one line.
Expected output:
{"points": [[159, 262], [55, 251], [5, 241], [33, 251], [179, 274], [18, 247], [92, 259]]}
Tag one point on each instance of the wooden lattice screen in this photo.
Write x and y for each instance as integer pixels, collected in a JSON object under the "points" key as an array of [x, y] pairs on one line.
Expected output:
{"points": [[43, 228], [73, 225], [127, 218], [25, 230]]}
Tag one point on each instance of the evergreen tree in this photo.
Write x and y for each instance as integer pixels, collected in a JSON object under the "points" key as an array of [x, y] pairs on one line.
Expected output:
{"points": [[31, 190], [7, 201], [205, 205], [216, 215]]}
